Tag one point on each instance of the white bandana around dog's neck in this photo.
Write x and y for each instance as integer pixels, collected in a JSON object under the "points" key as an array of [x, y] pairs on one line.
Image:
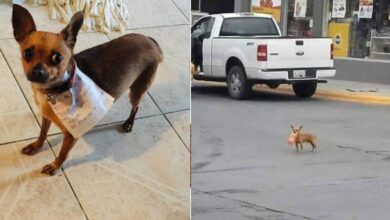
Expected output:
{"points": [[82, 106]]}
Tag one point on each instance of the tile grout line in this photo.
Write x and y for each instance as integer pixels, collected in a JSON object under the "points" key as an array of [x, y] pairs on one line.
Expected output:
{"points": [[20, 87], [16, 141], [166, 118], [51, 148], [21, 90], [177, 111], [74, 192], [118, 122], [108, 39], [68, 180], [180, 10]]}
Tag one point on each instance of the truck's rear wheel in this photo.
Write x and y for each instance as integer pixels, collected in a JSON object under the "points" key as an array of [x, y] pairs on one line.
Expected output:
{"points": [[238, 85], [305, 90]]}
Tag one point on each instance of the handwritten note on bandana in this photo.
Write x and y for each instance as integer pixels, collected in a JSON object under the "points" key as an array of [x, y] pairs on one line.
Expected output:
{"points": [[82, 106]]}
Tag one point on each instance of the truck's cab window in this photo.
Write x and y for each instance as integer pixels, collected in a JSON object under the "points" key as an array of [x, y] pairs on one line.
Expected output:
{"points": [[248, 27], [203, 28]]}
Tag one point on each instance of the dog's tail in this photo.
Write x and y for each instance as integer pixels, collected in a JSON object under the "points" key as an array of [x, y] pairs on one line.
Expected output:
{"points": [[159, 48]]}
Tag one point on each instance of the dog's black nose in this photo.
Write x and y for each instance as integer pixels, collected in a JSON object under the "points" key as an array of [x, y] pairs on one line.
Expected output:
{"points": [[38, 74]]}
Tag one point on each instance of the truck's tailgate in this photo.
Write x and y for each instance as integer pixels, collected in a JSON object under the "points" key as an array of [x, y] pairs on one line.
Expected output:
{"points": [[284, 53]]}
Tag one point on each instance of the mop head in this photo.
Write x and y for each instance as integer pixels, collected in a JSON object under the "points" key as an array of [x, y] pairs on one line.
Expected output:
{"points": [[99, 15]]}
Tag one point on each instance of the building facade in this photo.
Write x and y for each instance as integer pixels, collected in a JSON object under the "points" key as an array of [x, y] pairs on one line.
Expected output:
{"points": [[360, 29]]}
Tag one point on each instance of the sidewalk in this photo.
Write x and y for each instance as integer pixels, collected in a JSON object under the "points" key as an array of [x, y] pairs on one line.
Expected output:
{"points": [[370, 93], [108, 175], [356, 87]]}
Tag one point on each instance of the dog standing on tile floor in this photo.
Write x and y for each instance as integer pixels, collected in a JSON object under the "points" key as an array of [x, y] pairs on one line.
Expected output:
{"points": [[130, 61]]}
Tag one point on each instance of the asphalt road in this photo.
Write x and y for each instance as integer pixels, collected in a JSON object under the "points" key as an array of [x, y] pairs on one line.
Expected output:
{"points": [[243, 168]]}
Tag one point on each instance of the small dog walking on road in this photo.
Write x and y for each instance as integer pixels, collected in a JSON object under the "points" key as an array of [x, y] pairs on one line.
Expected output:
{"points": [[128, 62], [298, 138]]}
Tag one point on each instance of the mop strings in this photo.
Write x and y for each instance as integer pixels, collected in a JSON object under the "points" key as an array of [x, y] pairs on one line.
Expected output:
{"points": [[99, 15]]}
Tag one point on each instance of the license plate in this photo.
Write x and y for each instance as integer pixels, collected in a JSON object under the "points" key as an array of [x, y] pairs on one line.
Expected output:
{"points": [[299, 73]]}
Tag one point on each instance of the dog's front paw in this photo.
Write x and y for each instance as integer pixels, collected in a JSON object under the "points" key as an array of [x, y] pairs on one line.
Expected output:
{"points": [[127, 127], [50, 169], [30, 149]]}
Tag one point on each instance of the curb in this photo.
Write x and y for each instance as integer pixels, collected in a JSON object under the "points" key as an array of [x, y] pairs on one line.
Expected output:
{"points": [[359, 97]]}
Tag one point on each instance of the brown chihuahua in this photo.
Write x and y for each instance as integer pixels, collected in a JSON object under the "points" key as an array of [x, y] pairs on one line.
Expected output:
{"points": [[128, 62], [297, 137]]}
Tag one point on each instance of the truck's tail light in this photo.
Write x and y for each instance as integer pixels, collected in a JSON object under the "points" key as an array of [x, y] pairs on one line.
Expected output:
{"points": [[262, 52], [331, 51]]}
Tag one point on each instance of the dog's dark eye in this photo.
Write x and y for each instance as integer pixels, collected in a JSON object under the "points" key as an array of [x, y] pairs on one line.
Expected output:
{"points": [[28, 54], [55, 58]]}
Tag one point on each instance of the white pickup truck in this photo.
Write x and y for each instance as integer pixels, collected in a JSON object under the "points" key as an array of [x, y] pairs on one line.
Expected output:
{"points": [[244, 49]]}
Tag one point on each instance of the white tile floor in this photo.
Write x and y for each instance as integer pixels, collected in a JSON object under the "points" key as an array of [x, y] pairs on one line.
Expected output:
{"points": [[108, 175]]}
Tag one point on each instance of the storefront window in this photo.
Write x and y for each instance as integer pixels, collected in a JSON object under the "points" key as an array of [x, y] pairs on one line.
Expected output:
{"points": [[300, 18], [380, 35], [360, 28]]}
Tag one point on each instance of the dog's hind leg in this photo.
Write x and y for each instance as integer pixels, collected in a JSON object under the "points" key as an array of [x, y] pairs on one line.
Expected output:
{"points": [[137, 92], [314, 146]]}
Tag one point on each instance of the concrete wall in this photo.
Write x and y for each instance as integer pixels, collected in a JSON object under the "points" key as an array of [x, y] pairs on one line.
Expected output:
{"points": [[373, 71]]}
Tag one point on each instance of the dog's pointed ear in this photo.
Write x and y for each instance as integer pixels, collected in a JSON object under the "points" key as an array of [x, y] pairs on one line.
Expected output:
{"points": [[292, 127], [22, 23], [300, 127], [69, 33]]}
